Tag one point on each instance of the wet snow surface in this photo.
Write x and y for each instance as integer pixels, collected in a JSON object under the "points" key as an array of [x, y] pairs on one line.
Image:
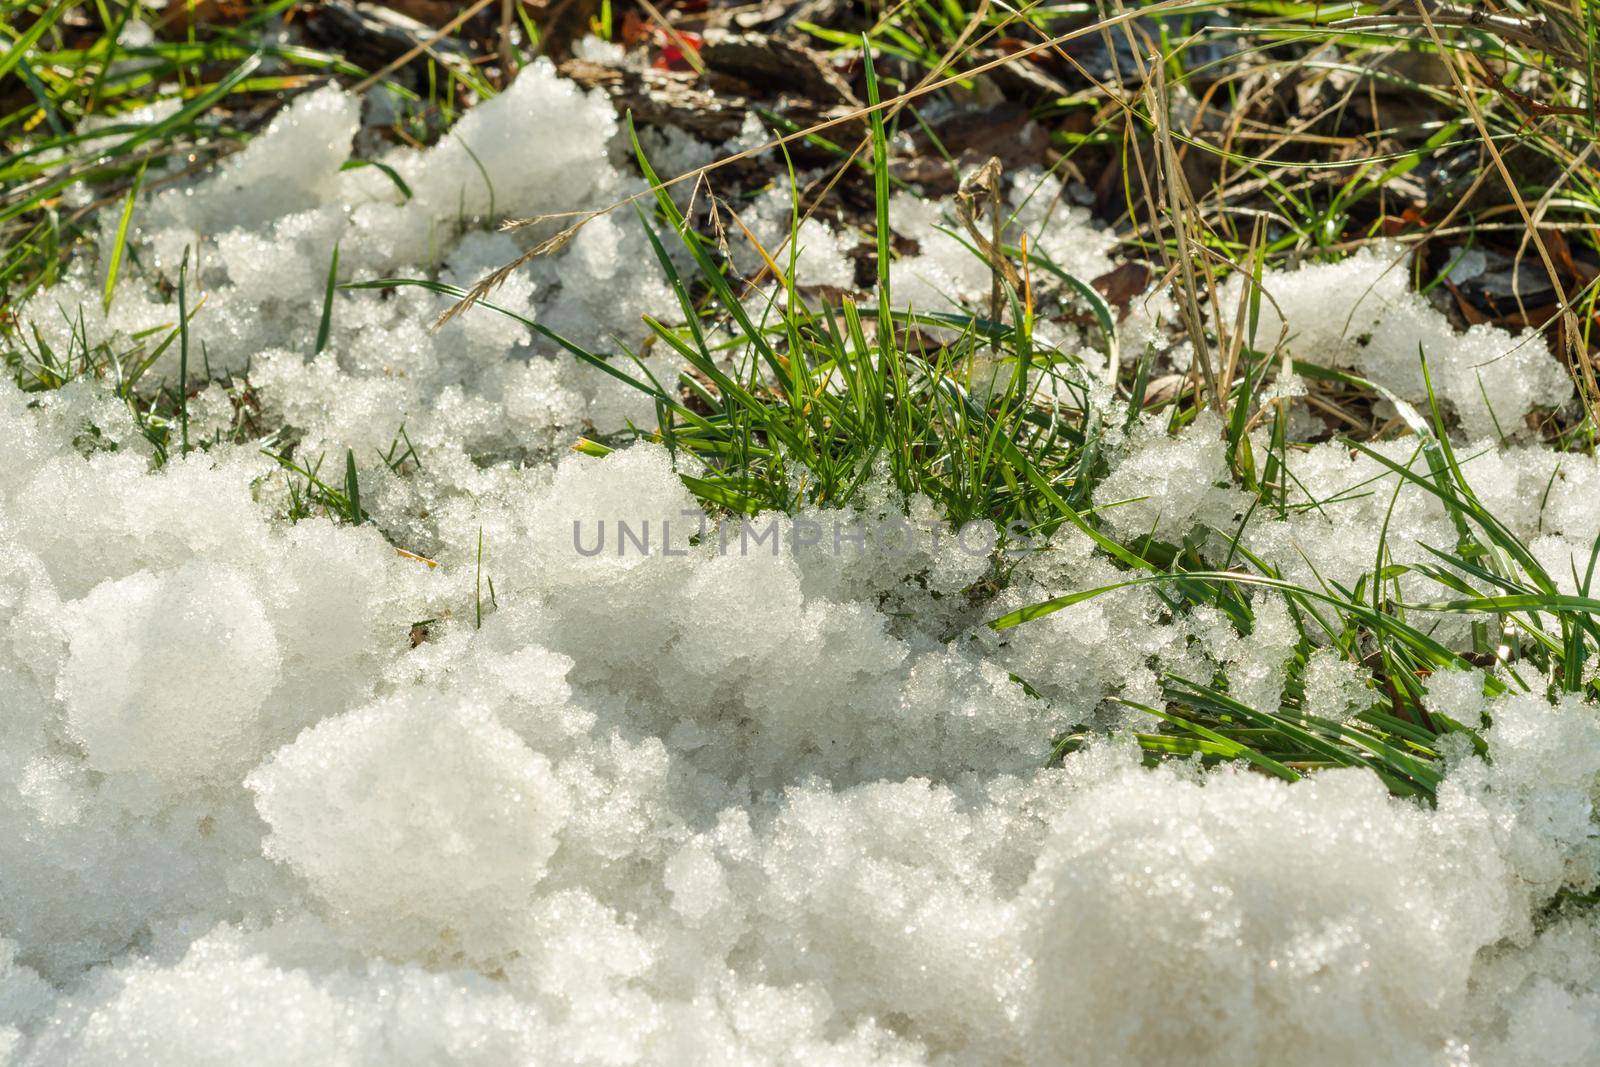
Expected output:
{"points": [[715, 807]]}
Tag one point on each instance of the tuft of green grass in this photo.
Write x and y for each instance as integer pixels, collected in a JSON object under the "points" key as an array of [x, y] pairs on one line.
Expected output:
{"points": [[227, 77], [1544, 640]]}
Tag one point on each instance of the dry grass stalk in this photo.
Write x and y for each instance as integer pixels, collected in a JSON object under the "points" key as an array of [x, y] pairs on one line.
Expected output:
{"points": [[1531, 32], [980, 194], [1576, 354], [422, 46], [690, 54], [1179, 202], [508, 63]]}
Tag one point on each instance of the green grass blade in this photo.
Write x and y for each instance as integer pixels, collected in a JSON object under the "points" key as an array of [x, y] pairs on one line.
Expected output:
{"points": [[30, 37], [326, 324], [352, 489], [121, 241], [183, 351]]}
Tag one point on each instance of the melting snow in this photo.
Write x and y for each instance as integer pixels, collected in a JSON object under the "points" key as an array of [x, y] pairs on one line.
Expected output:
{"points": [[719, 807]]}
